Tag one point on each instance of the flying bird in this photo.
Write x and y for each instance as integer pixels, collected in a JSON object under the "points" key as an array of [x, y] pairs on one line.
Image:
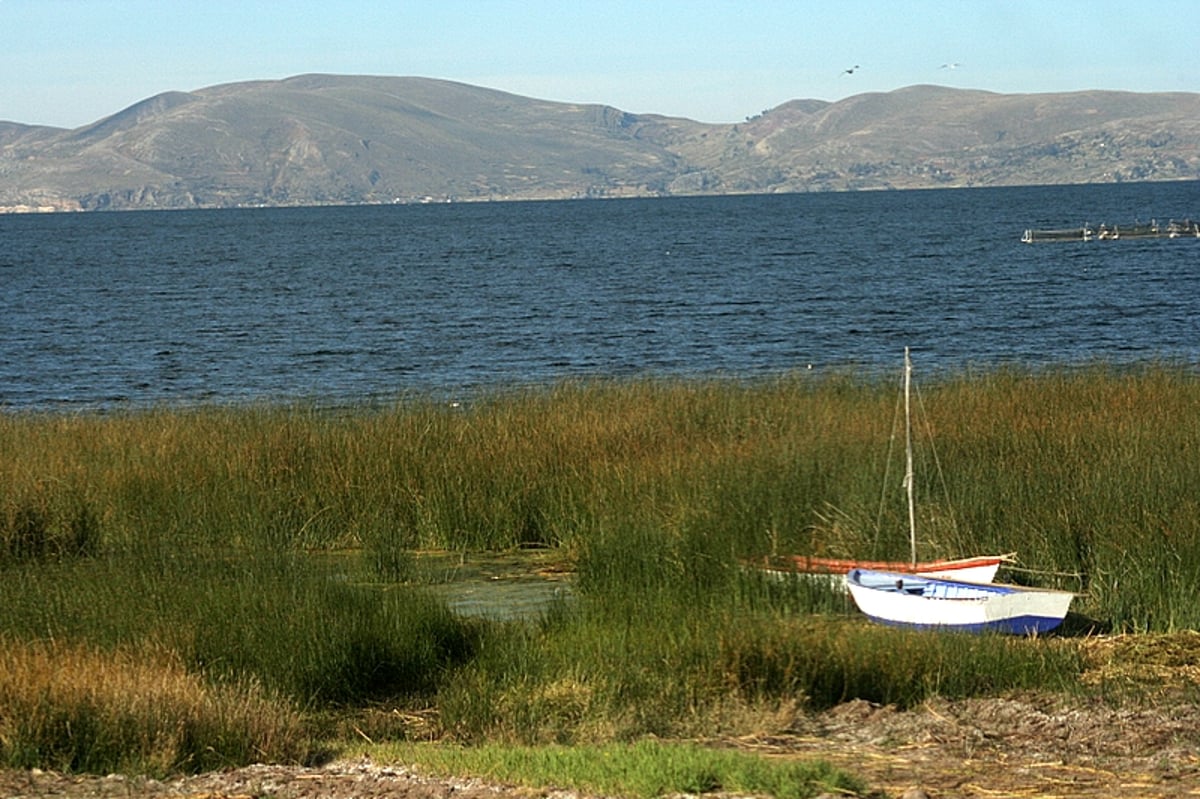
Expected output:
{"points": [[851, 70], [955, 65]]}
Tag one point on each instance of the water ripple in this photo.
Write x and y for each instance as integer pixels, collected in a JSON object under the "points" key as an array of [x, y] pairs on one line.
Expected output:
{"points": [[346, 303]]}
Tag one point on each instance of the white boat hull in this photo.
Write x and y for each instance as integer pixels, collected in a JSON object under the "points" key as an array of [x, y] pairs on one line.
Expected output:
{"points": [[908, 600]]}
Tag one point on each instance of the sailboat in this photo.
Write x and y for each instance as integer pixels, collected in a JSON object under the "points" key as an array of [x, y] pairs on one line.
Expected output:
{"points": [[901, 598], [977, 569]]}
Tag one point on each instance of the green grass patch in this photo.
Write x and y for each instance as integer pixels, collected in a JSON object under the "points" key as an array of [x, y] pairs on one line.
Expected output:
{"points": [[644, 769]]}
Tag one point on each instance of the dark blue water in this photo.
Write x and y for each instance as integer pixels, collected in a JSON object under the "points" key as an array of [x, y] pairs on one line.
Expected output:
{"points": [[344, 304]]}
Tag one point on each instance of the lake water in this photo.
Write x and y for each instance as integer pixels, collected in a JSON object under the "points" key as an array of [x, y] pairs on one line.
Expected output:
{"points": [[350, 304]]}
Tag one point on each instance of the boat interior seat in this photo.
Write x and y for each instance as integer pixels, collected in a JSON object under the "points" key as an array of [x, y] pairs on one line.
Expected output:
{"points": [[939, 590], [916, 589]]}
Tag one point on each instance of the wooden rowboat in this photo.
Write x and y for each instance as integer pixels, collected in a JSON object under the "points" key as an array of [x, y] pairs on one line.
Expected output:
{"points": [[926, 603], [980, 569]]}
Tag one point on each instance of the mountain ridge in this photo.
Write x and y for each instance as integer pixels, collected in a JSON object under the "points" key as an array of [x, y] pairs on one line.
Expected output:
{"points": [[344, 139]]}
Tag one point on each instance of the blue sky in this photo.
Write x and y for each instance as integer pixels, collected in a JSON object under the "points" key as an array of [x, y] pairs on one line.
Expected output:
{"points": [[70, 62]]}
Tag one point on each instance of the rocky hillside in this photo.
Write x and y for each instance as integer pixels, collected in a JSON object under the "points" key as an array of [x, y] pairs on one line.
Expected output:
{"points": [[316, 139]]}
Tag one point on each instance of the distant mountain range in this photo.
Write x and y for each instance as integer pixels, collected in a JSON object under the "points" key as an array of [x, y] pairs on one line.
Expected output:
{"points": [[328, 139]]}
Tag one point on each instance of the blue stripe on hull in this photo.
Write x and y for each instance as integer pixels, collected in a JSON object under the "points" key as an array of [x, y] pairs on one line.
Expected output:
{"points": [[1018, 625]]}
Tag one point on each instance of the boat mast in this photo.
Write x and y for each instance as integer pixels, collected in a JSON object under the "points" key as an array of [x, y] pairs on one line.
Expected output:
{"points": [[908, 455]]}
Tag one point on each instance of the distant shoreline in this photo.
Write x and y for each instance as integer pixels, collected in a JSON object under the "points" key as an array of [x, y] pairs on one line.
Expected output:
{"points": [[349, 140]]}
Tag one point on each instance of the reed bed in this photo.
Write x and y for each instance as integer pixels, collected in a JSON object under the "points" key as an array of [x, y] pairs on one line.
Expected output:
{"points": [[199, 529]]}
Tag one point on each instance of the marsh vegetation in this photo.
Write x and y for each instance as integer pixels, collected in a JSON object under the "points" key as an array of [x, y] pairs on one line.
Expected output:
{"points": [[189, 588]]}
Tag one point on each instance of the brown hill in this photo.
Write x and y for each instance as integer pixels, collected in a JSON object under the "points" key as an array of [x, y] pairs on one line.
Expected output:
{"points": [[317, 139]]}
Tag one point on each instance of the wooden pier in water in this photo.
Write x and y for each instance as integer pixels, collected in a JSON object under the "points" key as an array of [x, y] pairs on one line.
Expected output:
{"points": [[1138, 230]]}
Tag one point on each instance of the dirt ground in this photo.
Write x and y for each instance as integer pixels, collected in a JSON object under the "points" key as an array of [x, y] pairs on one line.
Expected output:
{"points": [[1026, 746]]}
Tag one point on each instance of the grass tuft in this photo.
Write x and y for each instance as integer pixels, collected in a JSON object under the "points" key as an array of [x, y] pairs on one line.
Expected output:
{"points": [[81, 709]]}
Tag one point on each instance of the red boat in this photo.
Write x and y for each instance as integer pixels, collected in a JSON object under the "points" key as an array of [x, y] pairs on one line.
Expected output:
{"points": [[979, 569]]}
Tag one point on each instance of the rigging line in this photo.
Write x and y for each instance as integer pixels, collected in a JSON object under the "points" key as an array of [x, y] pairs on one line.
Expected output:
{"points": [[937, 462], [1044, 572], [887, 465], [1079, 578]]}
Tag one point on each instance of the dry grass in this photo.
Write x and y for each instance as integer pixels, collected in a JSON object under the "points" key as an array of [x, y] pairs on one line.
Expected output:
{"points": [[1143, 662], [78, 708]]}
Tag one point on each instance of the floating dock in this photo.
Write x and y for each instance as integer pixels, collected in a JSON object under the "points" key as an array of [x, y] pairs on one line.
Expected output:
{"points": [[1138, 230]]}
